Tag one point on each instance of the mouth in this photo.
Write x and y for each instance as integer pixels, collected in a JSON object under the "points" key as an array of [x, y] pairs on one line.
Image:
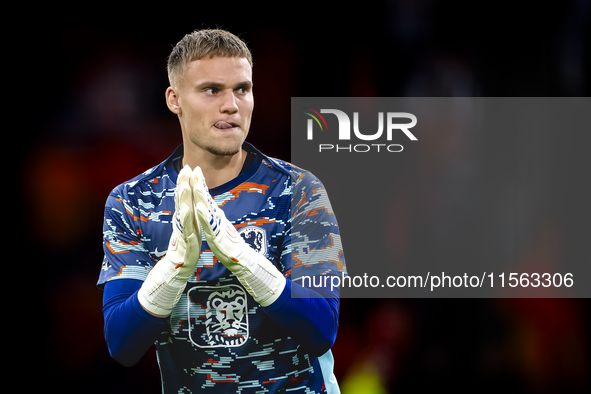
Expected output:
{"points": [[223, 125]]}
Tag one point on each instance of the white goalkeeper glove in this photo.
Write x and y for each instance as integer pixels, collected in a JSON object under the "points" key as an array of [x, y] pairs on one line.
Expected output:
{"points": [[166, 282], [258, 275]]}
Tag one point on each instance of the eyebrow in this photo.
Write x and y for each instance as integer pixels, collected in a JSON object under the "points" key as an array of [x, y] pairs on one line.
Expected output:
{"points": [[218, 85]]}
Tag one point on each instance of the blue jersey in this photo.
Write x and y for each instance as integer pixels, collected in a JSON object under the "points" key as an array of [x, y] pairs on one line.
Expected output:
{"points": [[219, 338]]}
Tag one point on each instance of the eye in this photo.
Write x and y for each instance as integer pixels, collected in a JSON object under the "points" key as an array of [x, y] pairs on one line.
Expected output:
{"points": [[243, 89], [211, 90]]}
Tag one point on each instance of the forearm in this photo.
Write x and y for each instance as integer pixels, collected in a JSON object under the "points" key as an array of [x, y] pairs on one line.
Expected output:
{"points": [[129, 329], [309, 316]]}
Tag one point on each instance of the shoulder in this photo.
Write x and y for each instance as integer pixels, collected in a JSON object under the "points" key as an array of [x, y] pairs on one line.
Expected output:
{"points": [[302, 184], [302, 176], [298, 176], [154, 183], [151, 176], [272, 164]]}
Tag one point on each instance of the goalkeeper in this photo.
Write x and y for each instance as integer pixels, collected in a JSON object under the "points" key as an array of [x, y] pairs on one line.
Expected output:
{"points": [[204, 252]]}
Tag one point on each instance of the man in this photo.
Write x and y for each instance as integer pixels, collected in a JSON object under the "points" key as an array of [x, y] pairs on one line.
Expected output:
{"points": [[204, 251]]}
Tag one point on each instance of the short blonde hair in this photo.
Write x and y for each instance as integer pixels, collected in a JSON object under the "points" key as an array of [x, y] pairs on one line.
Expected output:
{"points": [[202, 43]]}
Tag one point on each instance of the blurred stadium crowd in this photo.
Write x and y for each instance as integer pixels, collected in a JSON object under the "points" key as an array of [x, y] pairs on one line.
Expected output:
{"points": [[100, 119]]}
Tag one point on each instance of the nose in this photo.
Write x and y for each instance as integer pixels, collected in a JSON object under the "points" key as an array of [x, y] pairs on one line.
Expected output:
{"points": [[229, 103]]}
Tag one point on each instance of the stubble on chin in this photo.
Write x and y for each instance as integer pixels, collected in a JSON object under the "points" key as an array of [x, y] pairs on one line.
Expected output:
{"points": [[222, 152]]}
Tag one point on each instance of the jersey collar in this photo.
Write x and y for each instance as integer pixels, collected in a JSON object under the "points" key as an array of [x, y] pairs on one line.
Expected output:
{"points": [[169, 166]]}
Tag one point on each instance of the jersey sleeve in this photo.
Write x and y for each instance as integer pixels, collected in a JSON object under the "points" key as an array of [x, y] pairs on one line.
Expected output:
{"points": [[125, 254], [315, 239]]}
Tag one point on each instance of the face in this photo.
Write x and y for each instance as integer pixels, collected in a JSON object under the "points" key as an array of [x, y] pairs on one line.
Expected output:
{"points": [[214, 102]]}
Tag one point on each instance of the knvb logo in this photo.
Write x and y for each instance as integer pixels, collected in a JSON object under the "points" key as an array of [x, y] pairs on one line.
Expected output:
{"points": [[392, 120]]}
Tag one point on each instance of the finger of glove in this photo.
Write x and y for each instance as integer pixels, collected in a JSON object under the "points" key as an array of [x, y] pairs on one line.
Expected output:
{"points": [[202, 196], [183, 192], [215, 239], [192, 252], [200, 190], [197, 178], [221, 235], [184, 198], [199, 196], [184, 195], [211, 217], [206, 219], [197, 229], [184, 175], [209, 226], [204, 205], [186, 221]]}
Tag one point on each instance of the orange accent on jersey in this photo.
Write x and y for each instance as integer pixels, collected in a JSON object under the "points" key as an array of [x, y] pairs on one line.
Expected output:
{"points": [[299, 262], [313, 212], [249, 187], [108, 244], [234, 259], [142, 218], [302, 200], [214, 261], [339, 263], [179, 265], [257, 222], [120, 270]]}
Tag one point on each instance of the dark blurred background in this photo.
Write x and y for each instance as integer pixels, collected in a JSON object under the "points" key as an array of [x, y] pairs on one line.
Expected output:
{"points": [[94, 116]]}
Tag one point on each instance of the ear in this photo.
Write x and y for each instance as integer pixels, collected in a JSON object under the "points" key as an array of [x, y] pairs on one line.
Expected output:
{"points": [[173, 101]]}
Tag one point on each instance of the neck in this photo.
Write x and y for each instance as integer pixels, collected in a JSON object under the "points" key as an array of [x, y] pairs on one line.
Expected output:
{"points": [[216, 169]]}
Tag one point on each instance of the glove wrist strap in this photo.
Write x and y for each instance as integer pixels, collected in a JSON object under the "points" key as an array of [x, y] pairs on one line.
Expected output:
{"points": [[262, 280], [162, 289]]}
